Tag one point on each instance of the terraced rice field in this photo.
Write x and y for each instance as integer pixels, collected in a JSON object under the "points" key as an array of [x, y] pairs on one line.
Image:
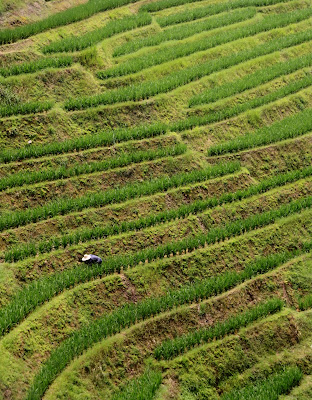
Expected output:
{"points": [[173, 139]]}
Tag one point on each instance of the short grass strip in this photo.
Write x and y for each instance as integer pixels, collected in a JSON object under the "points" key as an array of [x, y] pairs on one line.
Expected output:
{"points": [[37, 65], [25, 108], [76, 43], [66, 205], [269, 389], [145, 90], [185, 49], [174, 347], [62, 18], [185, 31], [142, 388], [43, 289], [104, 138], [26, 178], [212, 9], [129, 314], [251, 81], [195, 13], [20, 252], [288, 128]]}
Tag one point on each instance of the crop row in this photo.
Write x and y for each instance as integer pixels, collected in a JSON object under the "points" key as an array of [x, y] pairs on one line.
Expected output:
{"points": [[24, 178], [269, 389], [21, 252], [305, 302], [211, 9], [142, 388], [66, 205], [129, 314], [290, 127], [185, 49], [200, 12], [104, 138], [252, 80], [110, 137], [147, 89], [33, 66], [25, 108], [187, 30], [39, 291], [66, 17], [76, 43], [218, 116], [180, 344]]}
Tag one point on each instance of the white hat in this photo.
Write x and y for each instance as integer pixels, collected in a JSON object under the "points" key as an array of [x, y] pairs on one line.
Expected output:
{"points": [[86, 257]]}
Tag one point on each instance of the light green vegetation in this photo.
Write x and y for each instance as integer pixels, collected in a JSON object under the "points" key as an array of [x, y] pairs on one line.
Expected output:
{"points": [[174, 141], [37, 65], [252, 80], [26, 108], [290, 127], [129, 314], [211, 9], [270, 389], [39, 291], [64, 172], [66, 205], [84, 142], [31, 249], [185, 31], [142, 388], [173, 348], [89, 39], [71, 15], [181, 50], [217, 116], [187, 75]]}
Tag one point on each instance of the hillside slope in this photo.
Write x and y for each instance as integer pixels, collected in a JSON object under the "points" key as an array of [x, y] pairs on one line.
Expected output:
{"points": [[173, 139]]}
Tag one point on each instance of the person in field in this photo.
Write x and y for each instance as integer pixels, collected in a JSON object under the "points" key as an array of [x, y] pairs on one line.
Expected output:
{"points": [[91, 259]]}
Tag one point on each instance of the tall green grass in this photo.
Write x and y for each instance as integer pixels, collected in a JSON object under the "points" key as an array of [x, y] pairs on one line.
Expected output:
{"points": [[225, 113], [104, 138], [142, 388], [66, 17], [129, 314], [293, 126], [305, 302], [20, 252], [76, 43], [184, 49], [194, 13], [184, 31], [37, 65], [147, 89], [252, 80], [66, 205], [24, 178], [269, 389], [25, 108], [180, 344], [37, 292]]}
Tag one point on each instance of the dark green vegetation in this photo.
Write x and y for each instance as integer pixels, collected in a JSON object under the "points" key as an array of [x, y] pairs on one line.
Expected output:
{"points": [[173, 139]]}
